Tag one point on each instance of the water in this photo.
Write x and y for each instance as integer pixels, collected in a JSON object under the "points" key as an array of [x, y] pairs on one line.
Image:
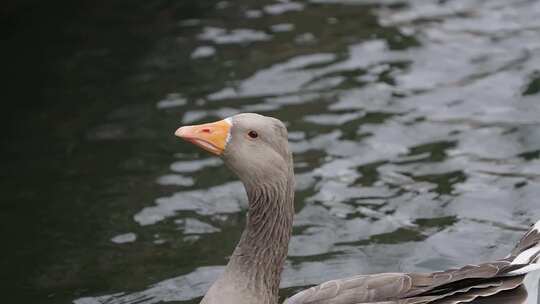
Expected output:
{"points": [[414, 126]]}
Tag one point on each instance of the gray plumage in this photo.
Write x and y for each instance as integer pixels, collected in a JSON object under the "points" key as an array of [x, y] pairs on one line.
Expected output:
{"points": [[409, 288], [265, 167]]}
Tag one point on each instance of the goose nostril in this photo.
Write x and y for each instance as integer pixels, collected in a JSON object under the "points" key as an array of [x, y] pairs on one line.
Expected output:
{"points": [[206, 130]]}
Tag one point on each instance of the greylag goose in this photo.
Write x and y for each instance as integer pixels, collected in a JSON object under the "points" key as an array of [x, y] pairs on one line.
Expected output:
{"points": [[255, 148]]}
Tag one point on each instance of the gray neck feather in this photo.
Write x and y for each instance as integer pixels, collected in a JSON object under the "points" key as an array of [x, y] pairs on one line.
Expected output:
{"points": [[262, 250]]}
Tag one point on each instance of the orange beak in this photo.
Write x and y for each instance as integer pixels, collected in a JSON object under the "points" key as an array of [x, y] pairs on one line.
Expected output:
{"points": [[212, 137]]}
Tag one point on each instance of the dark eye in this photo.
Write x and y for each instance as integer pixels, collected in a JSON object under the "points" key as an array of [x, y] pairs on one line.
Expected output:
{"points": [[253, 134]]}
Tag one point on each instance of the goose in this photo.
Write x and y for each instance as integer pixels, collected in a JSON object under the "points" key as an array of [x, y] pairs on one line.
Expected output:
{"points": [[255, 148]]}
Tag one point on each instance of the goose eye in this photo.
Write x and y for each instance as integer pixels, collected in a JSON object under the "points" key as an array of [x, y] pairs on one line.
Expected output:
{"points": [[253, 134]]}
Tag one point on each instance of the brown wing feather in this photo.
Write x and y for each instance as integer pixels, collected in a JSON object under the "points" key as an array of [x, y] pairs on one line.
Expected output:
{"points": [[471, 293], [439, 281], [529, 240], [478, 292]]}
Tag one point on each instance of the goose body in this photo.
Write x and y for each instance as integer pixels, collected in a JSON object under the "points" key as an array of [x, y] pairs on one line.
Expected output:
{"points": [[255, 148]]}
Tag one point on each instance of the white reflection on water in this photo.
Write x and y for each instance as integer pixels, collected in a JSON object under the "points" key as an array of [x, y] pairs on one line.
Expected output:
{"points": [[203, 52], [280, 8], [124, 238], [222, 36]]}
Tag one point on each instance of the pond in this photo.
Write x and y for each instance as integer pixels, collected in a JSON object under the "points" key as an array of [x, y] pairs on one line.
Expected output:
{"points": [[415, 128]]}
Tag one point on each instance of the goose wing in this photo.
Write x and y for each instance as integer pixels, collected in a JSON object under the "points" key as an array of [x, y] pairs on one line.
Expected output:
{"points": [[401, 287]]}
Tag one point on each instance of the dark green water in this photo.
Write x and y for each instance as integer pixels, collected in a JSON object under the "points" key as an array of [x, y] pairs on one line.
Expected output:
{"points": [[414, 124]]}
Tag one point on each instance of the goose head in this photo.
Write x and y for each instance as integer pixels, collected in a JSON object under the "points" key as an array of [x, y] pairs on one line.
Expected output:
{"points": [[253, 146]]}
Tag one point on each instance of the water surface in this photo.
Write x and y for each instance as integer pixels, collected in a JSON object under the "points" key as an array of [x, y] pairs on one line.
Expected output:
{"points": [[414, 126]]}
